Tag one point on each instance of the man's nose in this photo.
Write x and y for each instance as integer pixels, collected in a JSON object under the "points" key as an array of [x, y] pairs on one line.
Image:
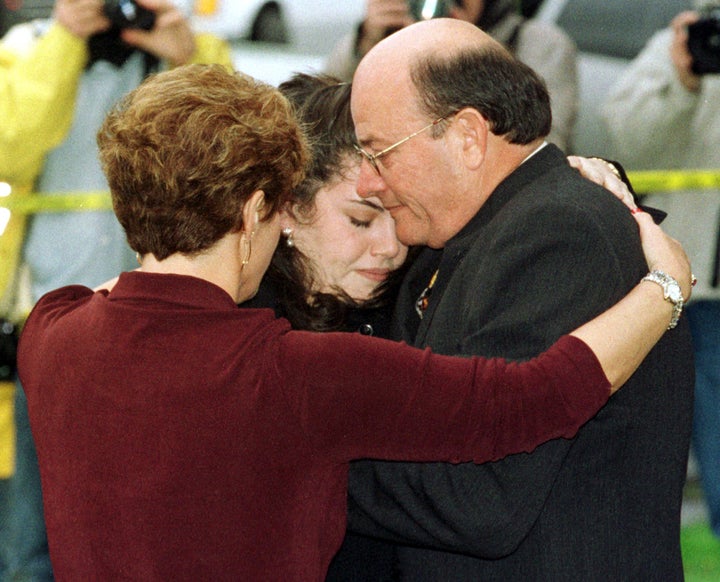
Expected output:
{"points": [[369, 181]]}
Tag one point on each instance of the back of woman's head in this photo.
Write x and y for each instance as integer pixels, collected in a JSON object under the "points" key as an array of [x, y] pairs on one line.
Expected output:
{"points": [[184, 151]]}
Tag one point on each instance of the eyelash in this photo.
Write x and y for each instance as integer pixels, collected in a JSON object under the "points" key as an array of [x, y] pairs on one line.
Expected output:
{"points": [[360, 223]]}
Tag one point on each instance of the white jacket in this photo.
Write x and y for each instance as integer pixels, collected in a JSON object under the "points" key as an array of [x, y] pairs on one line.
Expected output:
{"points": [[655, 123]]}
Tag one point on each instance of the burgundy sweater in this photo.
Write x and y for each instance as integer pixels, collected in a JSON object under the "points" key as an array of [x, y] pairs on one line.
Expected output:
{"points": [[182, 438]]}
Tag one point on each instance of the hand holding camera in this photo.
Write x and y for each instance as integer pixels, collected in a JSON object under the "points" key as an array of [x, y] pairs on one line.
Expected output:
{"points": [[83, 18], [695, 48], [383, 17], [680, 55], [170, 38], [704, 42]]}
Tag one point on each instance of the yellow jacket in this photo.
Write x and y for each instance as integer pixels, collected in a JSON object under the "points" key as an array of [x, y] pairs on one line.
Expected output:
{"points": [[39, 78]]}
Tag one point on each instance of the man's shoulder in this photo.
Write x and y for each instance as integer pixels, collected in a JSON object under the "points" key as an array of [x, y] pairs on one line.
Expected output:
{"points": [[558, 186]]}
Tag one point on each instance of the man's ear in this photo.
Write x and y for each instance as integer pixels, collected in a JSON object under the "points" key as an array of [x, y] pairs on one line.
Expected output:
{"points": [[252, 211], [473, 130]]}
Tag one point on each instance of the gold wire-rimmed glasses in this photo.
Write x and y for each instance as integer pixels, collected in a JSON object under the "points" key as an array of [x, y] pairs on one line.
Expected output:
{"points": [[373, 158]]}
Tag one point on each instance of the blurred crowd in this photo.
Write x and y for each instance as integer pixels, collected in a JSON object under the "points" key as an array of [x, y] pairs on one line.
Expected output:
{"points": [[62, 75]]}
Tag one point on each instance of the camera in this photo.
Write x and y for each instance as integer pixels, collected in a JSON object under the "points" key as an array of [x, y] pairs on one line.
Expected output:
{"points": [[427, 9], [8, 350], [704, 42], [128, 14]]}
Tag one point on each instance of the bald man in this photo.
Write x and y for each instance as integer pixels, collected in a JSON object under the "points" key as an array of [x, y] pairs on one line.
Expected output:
{"points": [[519, 250], [544, 46]]}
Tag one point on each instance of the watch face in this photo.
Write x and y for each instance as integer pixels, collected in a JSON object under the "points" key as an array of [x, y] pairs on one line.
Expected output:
{"points": [[674, 293]]}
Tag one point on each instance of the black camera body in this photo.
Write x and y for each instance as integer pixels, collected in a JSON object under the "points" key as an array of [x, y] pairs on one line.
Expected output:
{"points": [[427, 9], [8, 350], [128, 14], [704, 42]]}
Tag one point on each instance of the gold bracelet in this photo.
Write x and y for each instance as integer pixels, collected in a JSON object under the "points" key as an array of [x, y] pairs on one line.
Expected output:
{"points": [[611, 167]]}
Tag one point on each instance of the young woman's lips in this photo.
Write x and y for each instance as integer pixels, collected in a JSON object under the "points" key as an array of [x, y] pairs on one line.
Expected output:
{"points": [[378, 275]]}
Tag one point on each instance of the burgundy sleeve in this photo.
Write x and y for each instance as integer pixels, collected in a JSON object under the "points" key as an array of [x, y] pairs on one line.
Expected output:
{"points": [[360, 397], [48, 308]]}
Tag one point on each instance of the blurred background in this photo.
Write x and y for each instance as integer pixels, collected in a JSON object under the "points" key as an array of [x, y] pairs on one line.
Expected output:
{"points": [[272, 39]]}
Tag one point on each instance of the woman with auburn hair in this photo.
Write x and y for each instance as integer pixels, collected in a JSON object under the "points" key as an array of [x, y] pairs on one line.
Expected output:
{"points": [[182, 438]]}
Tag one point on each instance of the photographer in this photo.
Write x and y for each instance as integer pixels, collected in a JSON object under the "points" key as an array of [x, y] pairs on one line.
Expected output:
{"points": [[78, 82], [542, 46], [664, 113]]}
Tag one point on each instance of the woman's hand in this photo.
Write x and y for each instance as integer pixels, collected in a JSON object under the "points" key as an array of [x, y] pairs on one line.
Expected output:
{"points": [[606, 175]]}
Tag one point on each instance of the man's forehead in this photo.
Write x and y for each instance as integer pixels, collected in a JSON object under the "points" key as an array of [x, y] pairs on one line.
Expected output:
{"points": [[378, 104]]}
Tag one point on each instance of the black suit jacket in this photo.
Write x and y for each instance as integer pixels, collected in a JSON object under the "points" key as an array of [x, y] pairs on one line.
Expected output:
{"points": [[547, 252]]}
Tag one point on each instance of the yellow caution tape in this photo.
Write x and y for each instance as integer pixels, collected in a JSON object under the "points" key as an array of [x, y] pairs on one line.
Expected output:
{"points": [[645, 182], [7, 430], [16, 205], [57, 202]]}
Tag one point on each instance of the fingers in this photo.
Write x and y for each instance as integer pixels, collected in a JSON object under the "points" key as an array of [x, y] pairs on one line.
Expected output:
{"points": [[83, 18], [170, 39], [384, 15], [680, 53], [683, 20], [606, 175]]}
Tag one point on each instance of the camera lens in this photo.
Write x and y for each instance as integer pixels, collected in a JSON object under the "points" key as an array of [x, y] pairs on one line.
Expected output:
{"points": [[427, 9], [128, 14]]}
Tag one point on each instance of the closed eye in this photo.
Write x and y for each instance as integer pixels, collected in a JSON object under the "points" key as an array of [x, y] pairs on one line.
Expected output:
{"points": [[360, 223]]}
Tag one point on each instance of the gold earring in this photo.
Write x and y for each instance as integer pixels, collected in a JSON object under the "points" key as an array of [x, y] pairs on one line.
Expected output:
{"points": [[247, 249]]}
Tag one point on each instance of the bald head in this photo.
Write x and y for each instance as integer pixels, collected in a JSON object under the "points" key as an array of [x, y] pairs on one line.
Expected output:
{"points": [[444, 35], [442, 65], [389, 63]]}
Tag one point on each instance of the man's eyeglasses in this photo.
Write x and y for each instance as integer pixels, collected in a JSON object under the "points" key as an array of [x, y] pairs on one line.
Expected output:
{"points": [[373, 158]]}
